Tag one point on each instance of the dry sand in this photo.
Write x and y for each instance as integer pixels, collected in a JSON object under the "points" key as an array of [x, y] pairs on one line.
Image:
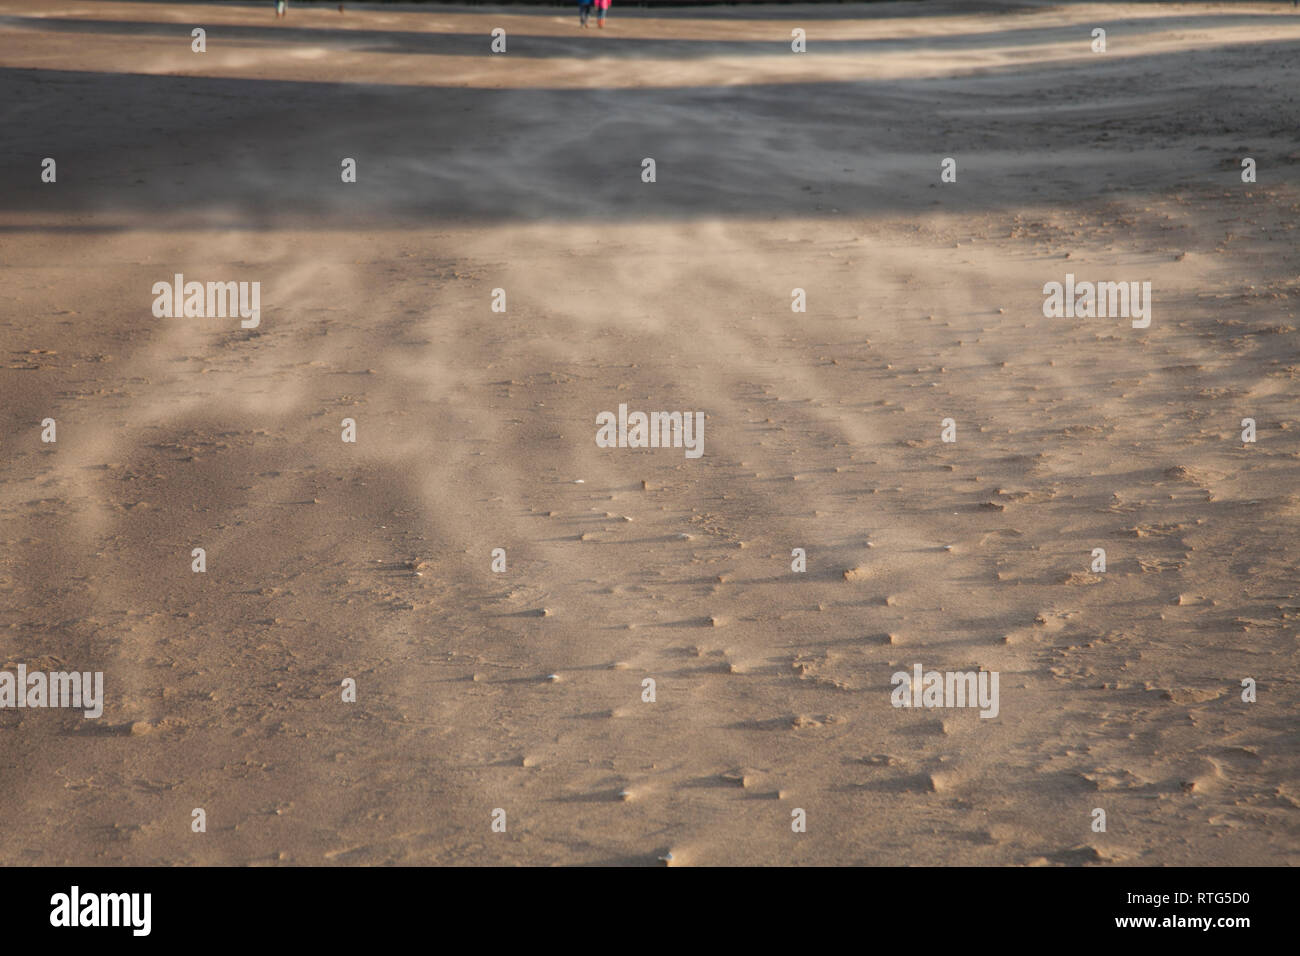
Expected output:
{"points": [[371, 561]]}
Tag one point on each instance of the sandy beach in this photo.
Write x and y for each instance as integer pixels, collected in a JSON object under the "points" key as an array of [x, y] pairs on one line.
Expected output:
{"points": [[500, 274]]}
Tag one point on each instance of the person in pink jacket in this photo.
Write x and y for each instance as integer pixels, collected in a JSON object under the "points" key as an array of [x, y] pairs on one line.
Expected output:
{"points": [[602, 8]]}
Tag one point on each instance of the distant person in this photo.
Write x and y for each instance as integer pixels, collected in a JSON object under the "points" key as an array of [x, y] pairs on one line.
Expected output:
{"points": [[280, 8], [584, 11], [603, 7]]}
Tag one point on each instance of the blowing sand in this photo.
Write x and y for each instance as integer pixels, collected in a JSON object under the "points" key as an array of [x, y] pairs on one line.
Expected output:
{"points": [[523, 690]]}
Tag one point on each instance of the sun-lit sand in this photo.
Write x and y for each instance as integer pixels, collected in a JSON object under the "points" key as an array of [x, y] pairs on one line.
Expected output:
{"points": [[523, 690]]}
